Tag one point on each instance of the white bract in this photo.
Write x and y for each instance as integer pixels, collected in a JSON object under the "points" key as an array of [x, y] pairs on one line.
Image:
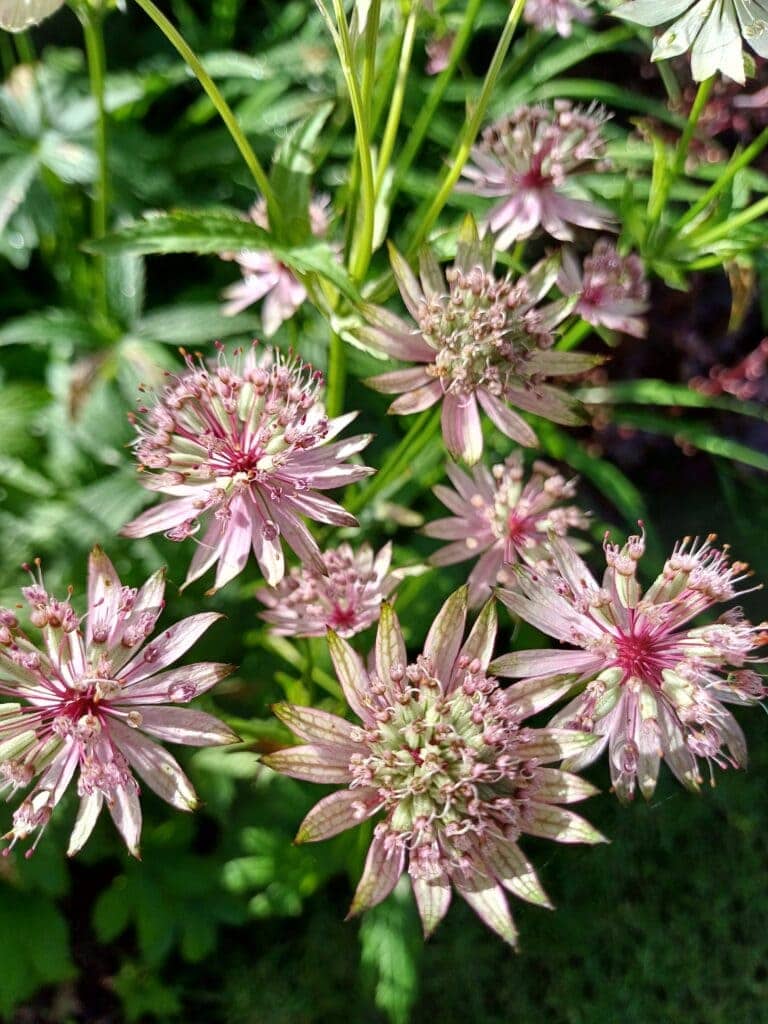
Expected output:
{"points": [[712, 30], [16, 15]]}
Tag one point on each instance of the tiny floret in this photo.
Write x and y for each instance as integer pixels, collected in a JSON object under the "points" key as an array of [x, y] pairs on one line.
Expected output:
{"points": [[652, 685], [242, 447], [480, 342], [442, 753], [528, 159], [90, 697], [501, 518], [345, 598]]}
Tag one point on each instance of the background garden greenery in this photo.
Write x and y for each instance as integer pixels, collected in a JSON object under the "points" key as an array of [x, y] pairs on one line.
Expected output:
{"points": [[224, 919]]}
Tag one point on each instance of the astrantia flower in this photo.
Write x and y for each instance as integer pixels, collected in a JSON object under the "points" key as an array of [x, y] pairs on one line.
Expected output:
{"points": [[346, 597], [528, 158], [612, 289], [18, 15], [480, 340], [713, 30], [655, 685], [90, 695], [501, 519], [442, 752], [265, 277], [244, 448], [556, 14]]}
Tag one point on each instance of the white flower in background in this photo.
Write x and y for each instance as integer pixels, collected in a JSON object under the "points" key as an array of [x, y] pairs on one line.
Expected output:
{"points": [[16, 15], [713, 30]]}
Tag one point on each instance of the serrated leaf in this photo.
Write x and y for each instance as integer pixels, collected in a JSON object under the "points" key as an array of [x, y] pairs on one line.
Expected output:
{"points": [[390, 941]]}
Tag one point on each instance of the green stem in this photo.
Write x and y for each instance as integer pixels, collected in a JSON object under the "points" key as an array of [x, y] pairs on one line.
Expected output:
{"points": [[420, 434], [337, 377], [423, 121], [178, 42], [92, 22], [362, 246], [398, 96], [369, 58], [575, 333], [659, 201], [743, 160], [733, 223], [471, 128], [24, 48]]}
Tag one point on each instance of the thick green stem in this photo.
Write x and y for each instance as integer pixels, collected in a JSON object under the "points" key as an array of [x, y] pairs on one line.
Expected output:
{"points": [[420, 434], [423, 121], [469, 134], [659, 201], [337, 376], [92, 21], [575, 333], [752, 151], [178, 42], [362, 246], [398, 96], [733, 223]]}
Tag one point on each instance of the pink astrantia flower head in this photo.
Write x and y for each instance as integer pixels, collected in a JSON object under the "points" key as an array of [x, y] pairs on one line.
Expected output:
{"points": [[528, 159], [612, 289], [501, 518], [89, 699], [346, 597], [655, 685], [439, 52], [265, 277], [443, 752], [480, 342], [243, 447], [556, 14]]}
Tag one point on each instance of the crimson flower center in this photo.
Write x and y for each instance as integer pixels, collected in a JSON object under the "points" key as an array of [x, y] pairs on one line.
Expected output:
{"points": [[638, 655]]}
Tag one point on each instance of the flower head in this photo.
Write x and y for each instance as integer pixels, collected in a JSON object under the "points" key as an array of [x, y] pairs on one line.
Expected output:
{"points": [[441, 750], [713, 30], [556, 14], [18, 15], [265, 277], [346, 597], [528, 158], [439, 52], [479, 339], [612, 289], [654, 684], [501, 518], [244, 447], [88, 697]]}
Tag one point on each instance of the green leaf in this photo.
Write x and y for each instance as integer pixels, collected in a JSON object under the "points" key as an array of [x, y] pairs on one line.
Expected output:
{"points": [[144, 995], [390, 951], [217, 231], [193, 323], [699, 435], [16, 175], [35, 949], [661, 392], [292, 171], [52, 325]]}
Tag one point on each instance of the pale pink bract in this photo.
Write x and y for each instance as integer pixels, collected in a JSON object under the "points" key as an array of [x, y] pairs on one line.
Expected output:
{"points": [[89, 697], [481, 342], [346, 597], [500, 518], [558, 15], [528, 159], [653, 685], [265, 277], [442, 752], [244, 448]]}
